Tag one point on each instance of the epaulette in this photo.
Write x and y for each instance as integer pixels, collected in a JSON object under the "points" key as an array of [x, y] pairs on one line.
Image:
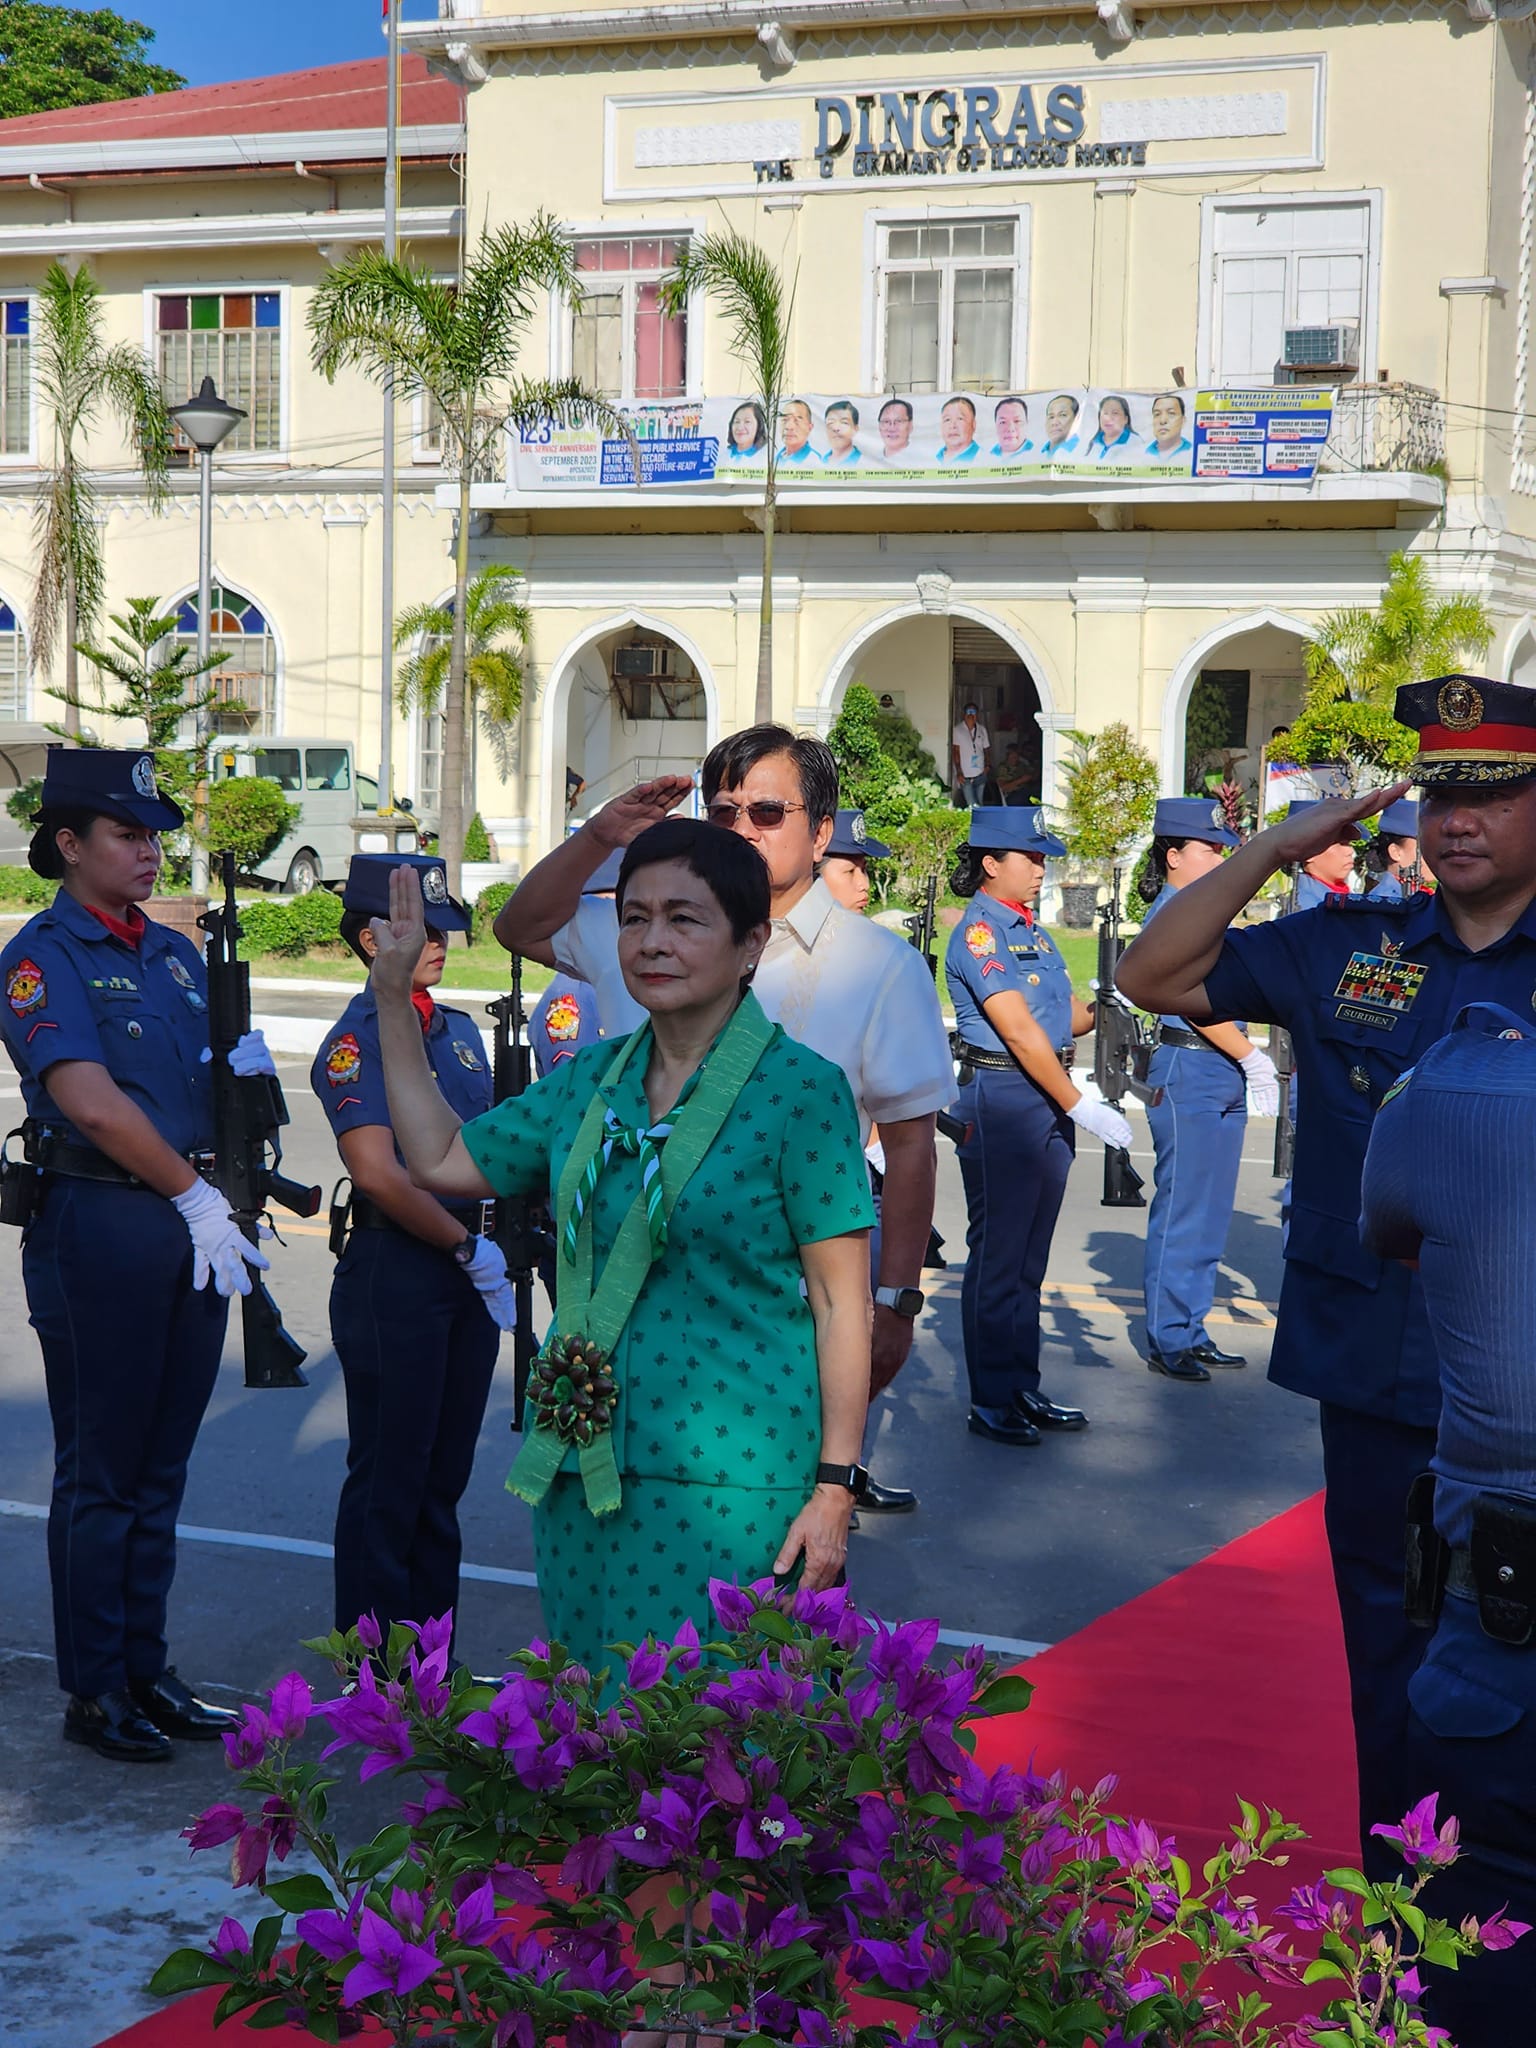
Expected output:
{"points": [[1377, 906]]}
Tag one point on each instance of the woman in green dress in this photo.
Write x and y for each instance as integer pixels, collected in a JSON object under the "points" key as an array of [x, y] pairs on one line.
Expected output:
{"points": [[698, 1406]]}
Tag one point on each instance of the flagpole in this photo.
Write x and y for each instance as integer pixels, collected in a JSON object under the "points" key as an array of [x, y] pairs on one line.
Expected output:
{"points": [[387, 563]]}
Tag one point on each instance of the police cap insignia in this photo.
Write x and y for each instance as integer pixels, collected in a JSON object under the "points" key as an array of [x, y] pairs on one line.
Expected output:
{"points": [[858, 828], [434, 885], [1460, 705], [1218, 815], [144, 775]]}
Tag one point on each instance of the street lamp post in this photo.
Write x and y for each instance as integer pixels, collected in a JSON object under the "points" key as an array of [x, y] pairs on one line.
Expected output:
{"points": [[205, 420]]}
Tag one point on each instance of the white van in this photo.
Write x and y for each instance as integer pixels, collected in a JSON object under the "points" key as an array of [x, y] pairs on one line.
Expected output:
{"points": [[321, 778]]}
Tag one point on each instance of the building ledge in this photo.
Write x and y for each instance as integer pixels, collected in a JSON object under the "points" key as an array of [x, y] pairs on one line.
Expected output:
{"points": [[228, 231]]}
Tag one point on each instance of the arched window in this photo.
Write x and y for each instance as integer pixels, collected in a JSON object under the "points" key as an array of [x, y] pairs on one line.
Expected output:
{"points": [[247, 681], [13, 666]]}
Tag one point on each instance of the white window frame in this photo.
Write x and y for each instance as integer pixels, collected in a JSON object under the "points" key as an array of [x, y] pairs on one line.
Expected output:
{"points": [[178, 287], [28, 672], [26, 458], [876, 219], [187, 594], [561, 324], [1372, 198]]}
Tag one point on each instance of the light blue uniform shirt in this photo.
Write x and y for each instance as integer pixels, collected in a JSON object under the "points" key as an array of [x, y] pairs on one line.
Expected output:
{"points": [[995, 947]]}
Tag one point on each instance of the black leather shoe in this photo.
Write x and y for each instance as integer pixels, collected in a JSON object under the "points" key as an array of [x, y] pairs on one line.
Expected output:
{"points": [[1047, 1414], [113, 1725], [887, 1500], [1002, 1425], [176, 1710], [1183, 1365], [1224, 1361]]}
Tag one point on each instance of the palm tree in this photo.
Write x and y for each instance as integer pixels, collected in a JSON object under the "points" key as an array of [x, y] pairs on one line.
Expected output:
{"points": [[749, 290], [1363, 657], [77, 377], [459, 344], [496, 645]]}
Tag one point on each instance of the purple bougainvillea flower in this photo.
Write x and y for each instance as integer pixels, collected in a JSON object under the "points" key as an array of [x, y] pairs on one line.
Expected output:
{"points": [[1315, 1908], [390, 1962], [369, 1634], [215, 1826], [511, 1882], [900, 1652], [587, 1864], [667, 1827], [1136, 1845], [820, 2032], [727, 1920], [991, 1796], [980, 1861], [231, 1940], [734, 1607], [988, 1917], [1496, 1932], [720, 1774], [332, 1935], [434, 1636], [871, 1894], [246, 1746], [248, 1860], [904, 1965], [763, 1830], [647, 1666], [789, 1924], [291, 1704], [434, 1799], [475, 1919], [281, 1824], [1416, 1836], [515, 2031], [509, 1722], [685, 1647], [408, 1906]]}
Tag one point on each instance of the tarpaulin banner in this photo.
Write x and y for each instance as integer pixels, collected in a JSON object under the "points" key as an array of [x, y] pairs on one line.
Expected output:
{"points": [[965, 438]]}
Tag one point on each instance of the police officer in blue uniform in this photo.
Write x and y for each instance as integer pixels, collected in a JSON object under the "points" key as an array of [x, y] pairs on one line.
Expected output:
{"points": [[564, 1019], [844, 867], [1395, 854], [1015, 1021], [106, 1021], [1203, 1081], [1363, 988], [1448, 1183], [420, 1296], [1328, 871]]}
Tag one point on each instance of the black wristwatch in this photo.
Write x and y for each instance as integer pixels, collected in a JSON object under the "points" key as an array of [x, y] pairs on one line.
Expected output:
{"points": [[463, 1253], [854, 1477], [906, 1301]]}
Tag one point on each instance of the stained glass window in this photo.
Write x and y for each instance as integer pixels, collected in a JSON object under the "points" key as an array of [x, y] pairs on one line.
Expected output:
{"points": [[236, 339], [13, 666], [247, 682]]}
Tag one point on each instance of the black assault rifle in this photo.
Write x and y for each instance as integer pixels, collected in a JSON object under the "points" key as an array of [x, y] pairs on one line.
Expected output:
{"points": [[1283, 1054], [1122, 1049], [920, 925], [248, 1113], [517, 1227]]}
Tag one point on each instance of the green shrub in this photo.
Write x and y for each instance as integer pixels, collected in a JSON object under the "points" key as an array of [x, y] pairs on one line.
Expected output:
{"points": [[247, 816], [883, 784], [24, 800], [487, 909], [21, 886], [477, 841], [290, 925], [1111, 796], [925, 845]]}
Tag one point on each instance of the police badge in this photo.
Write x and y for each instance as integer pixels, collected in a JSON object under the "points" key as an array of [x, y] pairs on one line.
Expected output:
{"points": [[144, 776], [434, 885], [1460, 705]]}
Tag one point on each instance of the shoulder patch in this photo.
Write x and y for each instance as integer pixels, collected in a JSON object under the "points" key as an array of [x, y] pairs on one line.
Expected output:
{"points": [[468, 1057], [1397, 1087], [343, 1060], [562, 1020], [980, 939], [25, 987]]}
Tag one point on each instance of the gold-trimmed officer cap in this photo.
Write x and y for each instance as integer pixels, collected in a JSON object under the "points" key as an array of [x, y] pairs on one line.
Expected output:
{"points": [[1472, 729]]}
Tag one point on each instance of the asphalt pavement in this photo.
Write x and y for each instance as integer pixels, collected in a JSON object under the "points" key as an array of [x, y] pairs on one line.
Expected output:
{"points": [[1013, 1547]]}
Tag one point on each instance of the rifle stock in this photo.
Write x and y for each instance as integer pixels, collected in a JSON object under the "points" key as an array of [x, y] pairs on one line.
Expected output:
{"points": [[516, 1230], [248, 1112], [921, 926], [1283, 1053], [1121, 1050]]}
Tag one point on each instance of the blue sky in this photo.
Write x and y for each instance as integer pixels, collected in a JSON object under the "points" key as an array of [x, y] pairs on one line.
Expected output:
{"points": [[209, 40]]}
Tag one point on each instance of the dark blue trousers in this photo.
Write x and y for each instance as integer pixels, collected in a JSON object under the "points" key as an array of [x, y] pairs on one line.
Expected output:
{"points": [[417, 1351], [130, 1356], [1472, 1739], [1369, 1464], [1197, 1129], [1014, 1163]]}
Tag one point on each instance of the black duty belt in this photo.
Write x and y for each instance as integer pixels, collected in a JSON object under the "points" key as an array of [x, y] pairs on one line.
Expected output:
{"points": [[478, 1218], [1172, 1034], [1003, 1062], [50, 1154]]}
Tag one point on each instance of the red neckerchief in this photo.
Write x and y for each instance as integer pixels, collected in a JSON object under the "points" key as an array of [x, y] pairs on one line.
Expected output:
{"points": [[129, 929], [1022, 908], [424, 1007], [1334, 888]]}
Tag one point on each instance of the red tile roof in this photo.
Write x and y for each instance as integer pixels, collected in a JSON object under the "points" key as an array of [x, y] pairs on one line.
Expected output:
{"points": [[331, 96]]}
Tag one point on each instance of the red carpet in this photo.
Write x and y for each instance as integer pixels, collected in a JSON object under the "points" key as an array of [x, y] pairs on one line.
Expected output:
{"points": [[1226, 1679]]}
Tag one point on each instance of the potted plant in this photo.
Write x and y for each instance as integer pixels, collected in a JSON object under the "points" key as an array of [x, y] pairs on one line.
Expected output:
{"points": [[1111, 793]]}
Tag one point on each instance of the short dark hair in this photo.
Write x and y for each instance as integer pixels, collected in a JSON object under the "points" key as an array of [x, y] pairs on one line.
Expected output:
{"points": [[43, 855], [1012, 399], [906, 408], [1178, 400], [730, 867], [843, 405], [731, 761], [960, 398]]}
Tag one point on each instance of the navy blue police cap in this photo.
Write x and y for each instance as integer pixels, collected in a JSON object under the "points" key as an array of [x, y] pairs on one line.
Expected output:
{"points": [[367, 888], [1399, 820], [115, 782], [1492, 1020], [851, 841], [1472, 729], [606, 881], [1013, 828], [1193, 817]]}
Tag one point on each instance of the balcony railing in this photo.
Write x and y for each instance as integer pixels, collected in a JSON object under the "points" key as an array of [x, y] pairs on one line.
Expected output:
{"points": [[1386, 427]]}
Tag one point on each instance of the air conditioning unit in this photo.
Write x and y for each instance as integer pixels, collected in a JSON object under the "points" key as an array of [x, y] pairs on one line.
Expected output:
{"points": [[642, 661], [1323, 348]]}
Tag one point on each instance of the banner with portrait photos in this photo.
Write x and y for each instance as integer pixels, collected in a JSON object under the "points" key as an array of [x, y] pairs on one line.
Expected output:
{"points": [[966, 438]]}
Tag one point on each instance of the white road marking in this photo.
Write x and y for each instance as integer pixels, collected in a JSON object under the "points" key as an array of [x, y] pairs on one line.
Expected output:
{"points": [[483, 1574]]}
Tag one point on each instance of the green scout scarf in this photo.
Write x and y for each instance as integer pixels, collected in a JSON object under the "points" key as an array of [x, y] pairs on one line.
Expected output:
{"points": [[573, 1391]]}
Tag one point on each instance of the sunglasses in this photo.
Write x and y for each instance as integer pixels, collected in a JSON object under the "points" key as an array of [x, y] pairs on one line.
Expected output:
{"points": [[768, 814]]}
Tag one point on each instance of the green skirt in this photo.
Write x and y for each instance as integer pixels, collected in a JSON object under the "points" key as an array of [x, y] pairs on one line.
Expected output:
{"points": [[646, 1570]]}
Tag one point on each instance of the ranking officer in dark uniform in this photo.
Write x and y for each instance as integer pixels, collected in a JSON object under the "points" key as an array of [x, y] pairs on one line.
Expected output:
{"points": [[1449, 1184], [420, 1296], [1363, 987], [1015, 1021], [130, 1254]]}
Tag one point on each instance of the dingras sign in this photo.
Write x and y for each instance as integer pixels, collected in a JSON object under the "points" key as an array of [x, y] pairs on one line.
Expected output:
{"points": [[944, 131]]}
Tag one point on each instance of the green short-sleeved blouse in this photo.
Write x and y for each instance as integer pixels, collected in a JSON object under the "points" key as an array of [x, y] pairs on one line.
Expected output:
{"points": [[717, 1363]]}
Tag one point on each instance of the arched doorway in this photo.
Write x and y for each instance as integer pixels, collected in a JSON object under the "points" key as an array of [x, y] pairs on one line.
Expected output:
{"points": [[1520, 663], [1225, 698]]}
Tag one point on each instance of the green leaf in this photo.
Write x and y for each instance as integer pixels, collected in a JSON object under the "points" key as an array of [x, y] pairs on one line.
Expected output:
{"points": [[1348, 1881], [1320, 1968], [269, 2016], [1413, 1918], [264, 1940], [778, 1628], [1181, 1876], [865, 1774], [188, 1970], [1007, 1695], [306, 1893]]}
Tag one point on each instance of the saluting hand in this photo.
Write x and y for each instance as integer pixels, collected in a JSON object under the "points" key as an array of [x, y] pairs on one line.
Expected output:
{"points": [[1297, 839], [623, 819], [398, 939]]}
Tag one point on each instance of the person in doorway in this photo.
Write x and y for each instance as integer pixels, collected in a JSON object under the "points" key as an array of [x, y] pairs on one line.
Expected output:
{"points": [[971, 754], [1015, 1021], [1395, 856], [1205, 1082], [1016, 778]]}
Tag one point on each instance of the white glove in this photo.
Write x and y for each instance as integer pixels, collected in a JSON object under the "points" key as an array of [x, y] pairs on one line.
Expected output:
{"points": [[218, 1246], [488, 1270], [1263, 1083], [1102, 1122], [248, 1055]]}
